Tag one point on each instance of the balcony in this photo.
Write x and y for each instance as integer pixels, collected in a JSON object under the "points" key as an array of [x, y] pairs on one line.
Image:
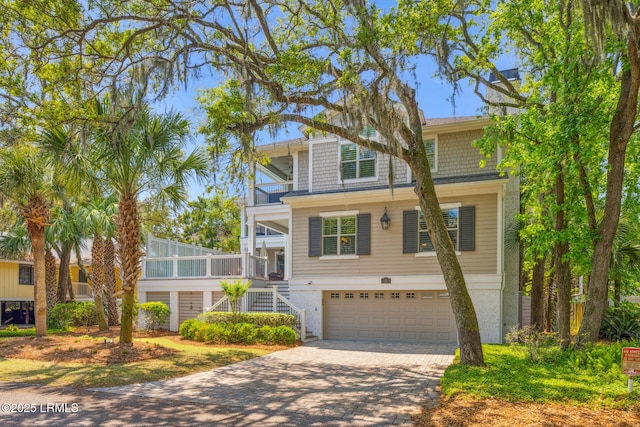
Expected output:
{"points": [[207, 266], [271, 193]]}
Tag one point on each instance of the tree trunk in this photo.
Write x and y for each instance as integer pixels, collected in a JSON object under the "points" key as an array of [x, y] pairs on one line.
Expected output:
{"points": [[97, 279], [537, 294], [128, 223], [563, 270], [51, 279], [36, 232], [620, 131], [110, 281], [64, 282], [461, 304]]}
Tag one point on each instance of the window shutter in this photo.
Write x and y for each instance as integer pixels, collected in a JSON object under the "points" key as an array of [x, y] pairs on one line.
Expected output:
{"points": [[467, 228], [364, 234], [410, 232], [315, 236]]}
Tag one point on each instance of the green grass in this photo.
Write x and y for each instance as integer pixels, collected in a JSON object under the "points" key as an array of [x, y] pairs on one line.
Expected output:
{"points": [[189, 359], [590, 377]]}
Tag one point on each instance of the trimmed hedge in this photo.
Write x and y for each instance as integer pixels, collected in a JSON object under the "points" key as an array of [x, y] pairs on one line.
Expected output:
{"points": [[257, 319], [239, 333]]}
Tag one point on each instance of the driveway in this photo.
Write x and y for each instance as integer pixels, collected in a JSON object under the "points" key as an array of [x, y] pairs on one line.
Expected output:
{"points": [[321, 383]]}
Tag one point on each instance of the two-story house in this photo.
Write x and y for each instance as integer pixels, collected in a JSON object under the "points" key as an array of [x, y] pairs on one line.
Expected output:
{"points": [[357, 256]]}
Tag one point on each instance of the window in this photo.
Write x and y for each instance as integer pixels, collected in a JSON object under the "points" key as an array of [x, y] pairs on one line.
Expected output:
{"points": [[450, 217], [379, 295], [364, 295], [430, 147], [339, 235], [335, 295], [357, 162], [410, 295], [348, 295], [25, 275], [395, 295], [81, 277]]}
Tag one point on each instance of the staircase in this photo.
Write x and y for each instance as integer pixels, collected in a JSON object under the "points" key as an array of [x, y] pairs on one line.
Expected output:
{"points": [[283, 287]]}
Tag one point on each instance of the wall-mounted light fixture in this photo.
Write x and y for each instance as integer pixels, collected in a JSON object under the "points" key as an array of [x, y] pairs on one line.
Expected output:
{"points": [[385, 220]]}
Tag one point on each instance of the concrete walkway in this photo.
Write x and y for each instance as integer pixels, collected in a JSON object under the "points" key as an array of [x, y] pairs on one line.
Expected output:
{"points": [[321, 383]]}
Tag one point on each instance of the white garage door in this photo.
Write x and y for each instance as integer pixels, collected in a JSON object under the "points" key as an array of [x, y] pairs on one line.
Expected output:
{"points": [[403, 316]]}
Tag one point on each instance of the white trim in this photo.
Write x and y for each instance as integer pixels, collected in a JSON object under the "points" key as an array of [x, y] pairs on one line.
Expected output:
{"points": [[357, 180], [500, 232], [295, 171], [430, 253], [338, 257], [446, 206], [339, 213], [399, 282], [288, 250], [457, 189]]}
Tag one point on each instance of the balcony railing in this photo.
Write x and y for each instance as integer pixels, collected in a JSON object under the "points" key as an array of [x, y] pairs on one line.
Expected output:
{"points": [[204, 267], [271, 193]]}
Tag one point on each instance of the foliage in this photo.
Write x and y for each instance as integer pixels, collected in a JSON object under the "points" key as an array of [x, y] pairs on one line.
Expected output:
{"points": [[586, 377], [535, 342], [12, 328], [234, 291], [622, 323], [257, 319], [29, 332], [236, 333], [65, 315], [155, 313], [212, 222]]}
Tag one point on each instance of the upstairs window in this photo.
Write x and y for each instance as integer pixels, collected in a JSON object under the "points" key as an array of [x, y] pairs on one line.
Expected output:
{"points": [[459, 220], [345, 233], [25, 275], [357, 162]]}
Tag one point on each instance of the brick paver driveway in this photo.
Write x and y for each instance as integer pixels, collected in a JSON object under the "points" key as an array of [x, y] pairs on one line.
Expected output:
{"points": [[321, 383]]}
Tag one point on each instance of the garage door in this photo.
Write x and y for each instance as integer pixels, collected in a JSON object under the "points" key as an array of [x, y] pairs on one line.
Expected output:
{"points": [[403, 316], [160, 297], [189, 305]]}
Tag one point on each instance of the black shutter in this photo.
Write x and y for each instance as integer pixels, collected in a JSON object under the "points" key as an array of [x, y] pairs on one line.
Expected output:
{"points": [[315, 236], [363, 236], [467, 228], [410, 232]]}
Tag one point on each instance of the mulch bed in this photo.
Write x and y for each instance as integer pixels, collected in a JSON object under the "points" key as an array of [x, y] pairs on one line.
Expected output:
{"points": [[83, 346], [457, 412]]}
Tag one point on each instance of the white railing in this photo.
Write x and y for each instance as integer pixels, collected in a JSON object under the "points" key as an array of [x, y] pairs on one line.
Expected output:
{"points": [[261, 300], [158, 248], [266, 194], [203, 267]]}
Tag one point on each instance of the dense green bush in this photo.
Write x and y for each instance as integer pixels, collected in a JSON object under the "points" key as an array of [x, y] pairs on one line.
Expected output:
{"points": [[621, 323], [65, 315], [257, 319], [238, 333], [155, 314]]}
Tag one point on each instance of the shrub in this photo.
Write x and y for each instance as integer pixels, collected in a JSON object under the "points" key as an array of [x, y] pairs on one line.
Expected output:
{"points": [[237, 333], [155, 313], [621, 323], [533, 341], [65, 315], [284, 335], [188, 328], [257, 319], [12, 328]]}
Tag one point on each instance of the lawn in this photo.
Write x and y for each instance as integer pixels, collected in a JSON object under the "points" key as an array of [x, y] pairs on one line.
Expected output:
{"points": [[85, 361], [569, 388]]}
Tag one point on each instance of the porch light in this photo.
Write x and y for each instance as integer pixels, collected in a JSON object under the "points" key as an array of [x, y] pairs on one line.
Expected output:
{"points": [[385, 220]]}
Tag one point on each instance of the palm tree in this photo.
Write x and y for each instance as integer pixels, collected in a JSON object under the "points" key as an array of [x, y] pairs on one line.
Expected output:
{"points": [[97, 217], [136, 152], [625, 257], [26, 180]]}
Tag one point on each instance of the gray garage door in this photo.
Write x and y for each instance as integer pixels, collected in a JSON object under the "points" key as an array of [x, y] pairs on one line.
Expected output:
{"points": [[189, 305], [404, 316], [160, 297]]}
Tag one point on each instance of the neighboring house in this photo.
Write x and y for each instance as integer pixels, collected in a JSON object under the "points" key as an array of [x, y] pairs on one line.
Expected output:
{"points": [[316, 222], [17, 290]]}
